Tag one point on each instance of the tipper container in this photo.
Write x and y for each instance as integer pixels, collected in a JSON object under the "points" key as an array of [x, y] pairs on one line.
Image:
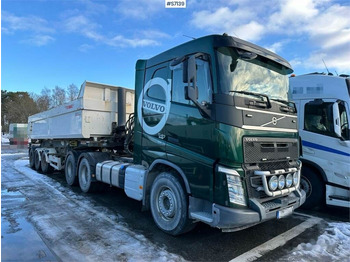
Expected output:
{"points": [[90, 115]]}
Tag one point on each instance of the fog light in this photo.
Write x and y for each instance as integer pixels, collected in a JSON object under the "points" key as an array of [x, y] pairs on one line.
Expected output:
{"points": [[273, 183], [281, 182], [295, 178], [289, 180]]}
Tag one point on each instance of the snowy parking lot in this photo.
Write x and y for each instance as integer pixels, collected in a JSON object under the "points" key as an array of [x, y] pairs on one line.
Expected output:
{"points": [[45, 220]]}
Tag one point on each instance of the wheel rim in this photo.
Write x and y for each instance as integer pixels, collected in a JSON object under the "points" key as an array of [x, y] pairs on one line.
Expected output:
{"points": [[306, 186], [166, 203]]}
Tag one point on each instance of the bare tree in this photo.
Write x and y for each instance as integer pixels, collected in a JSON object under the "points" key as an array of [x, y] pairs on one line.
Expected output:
{"points": [[58, 96], [44, 101], [72, 92]]}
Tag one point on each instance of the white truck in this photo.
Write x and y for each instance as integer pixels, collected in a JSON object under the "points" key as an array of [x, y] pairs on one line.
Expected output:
{"points": [[323, 104]]}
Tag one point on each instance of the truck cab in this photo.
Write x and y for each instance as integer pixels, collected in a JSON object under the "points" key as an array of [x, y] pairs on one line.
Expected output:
{"points": [[323, 107], [215, 113]]}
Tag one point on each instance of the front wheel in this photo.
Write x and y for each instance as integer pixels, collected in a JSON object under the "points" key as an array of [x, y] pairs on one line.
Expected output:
{"points": [[169, 205], [312, 184]]}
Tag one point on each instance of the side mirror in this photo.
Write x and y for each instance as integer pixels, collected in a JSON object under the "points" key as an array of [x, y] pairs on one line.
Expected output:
{"points": [[336, 120], [191, 90]]}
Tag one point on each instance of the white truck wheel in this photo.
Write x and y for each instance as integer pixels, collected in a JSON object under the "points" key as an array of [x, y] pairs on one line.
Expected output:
{"points": [[311, 183]]}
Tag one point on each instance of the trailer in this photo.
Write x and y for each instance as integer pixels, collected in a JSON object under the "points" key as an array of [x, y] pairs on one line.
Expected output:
{"points": [[323, 103], [210, 137]]}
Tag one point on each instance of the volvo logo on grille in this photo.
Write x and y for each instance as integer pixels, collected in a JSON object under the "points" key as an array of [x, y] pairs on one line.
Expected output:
{"points": [[274, 121], [250, 139]]}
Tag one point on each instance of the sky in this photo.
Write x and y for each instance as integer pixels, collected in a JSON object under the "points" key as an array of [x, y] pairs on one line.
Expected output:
{"points": [[48, 43]]}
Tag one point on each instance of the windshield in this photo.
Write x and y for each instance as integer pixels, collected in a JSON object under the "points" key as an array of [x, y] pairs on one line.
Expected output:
{"points": [[258, 75]]}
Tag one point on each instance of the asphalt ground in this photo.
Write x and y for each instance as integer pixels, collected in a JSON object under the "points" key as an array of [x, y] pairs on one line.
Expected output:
{"points": [[268, 241]]}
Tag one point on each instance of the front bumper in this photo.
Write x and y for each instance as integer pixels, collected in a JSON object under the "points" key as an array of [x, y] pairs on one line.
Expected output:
{"points": [[233, 219]]}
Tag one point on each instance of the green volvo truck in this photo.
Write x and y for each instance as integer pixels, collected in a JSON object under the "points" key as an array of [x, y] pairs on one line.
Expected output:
{"points": [[213, 137]]}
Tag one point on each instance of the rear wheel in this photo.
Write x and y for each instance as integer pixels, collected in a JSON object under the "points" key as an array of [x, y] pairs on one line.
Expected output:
{"points": [[312, 184], [32, 158], [37, 162], [70, 170], [169, 205], [45, 166], [85, 176]]}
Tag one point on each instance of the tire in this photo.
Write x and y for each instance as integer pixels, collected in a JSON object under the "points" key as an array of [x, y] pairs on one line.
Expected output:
{"points": [[70, 170], [37, 162], [32, 158], [85, 176], [314, 188], [169, 205], [45, 166]]}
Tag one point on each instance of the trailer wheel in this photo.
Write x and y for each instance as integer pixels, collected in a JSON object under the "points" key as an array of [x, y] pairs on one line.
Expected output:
{"points": [[70, 170], [311, 183], [169, 205], [37, 162], [45, 166], [85, 176], [31, 158]]}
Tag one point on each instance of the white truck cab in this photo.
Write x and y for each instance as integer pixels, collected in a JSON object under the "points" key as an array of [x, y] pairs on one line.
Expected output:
{"points": [[323, 104]]}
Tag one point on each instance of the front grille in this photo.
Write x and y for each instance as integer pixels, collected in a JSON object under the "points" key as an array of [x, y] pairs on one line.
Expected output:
{"points": [[274, 165], [267, 154], [261, 149]]}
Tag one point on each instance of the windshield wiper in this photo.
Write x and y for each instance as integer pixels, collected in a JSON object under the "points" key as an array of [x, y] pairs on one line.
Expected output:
{"points": [[266, 103], [290, 106]]}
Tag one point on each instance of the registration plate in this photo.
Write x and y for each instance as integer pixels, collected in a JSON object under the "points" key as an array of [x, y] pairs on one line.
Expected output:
{"points": [[284, 212]]}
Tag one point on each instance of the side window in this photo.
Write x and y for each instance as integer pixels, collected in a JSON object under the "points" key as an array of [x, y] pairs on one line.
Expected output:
{"points": [[319, 118], [344, 122], [178, 88], [204, 83]]}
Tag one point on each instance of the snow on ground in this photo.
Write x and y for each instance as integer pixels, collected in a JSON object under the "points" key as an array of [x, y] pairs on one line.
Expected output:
{"points": [[332, 245], [81, 231], [102, 234], [13, 154]]}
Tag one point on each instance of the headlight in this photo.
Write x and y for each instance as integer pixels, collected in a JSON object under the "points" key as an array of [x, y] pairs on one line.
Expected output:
{"points": [[273, 183], [295, 178], [234, 186], [289, 180], [281, 182]]}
